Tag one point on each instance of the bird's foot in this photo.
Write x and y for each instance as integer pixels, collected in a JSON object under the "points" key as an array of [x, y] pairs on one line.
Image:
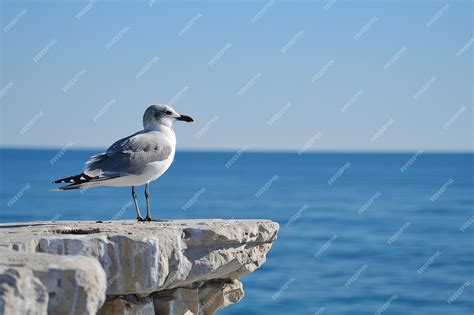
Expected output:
{"points": [[146, 219]]}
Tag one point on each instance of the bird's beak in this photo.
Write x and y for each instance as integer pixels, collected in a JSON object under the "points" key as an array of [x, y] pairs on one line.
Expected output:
{"points": [[185, 118]]}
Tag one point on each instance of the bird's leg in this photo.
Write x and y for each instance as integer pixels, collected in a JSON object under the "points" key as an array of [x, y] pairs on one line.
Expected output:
{"points": [[135, 200], [147, 197]]}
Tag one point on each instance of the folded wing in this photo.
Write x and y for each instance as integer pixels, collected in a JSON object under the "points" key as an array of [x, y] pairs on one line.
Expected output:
{"points": [[130, 155]]}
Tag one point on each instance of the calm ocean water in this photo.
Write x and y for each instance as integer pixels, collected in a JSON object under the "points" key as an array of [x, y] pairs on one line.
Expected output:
{"points": [[358, 236]]}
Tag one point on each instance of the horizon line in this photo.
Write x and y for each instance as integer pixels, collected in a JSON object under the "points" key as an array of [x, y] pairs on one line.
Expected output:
{"points": [[255, 150]]}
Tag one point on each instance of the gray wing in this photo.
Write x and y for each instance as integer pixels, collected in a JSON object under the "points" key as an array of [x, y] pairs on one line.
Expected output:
{"points": [[130, 155]]}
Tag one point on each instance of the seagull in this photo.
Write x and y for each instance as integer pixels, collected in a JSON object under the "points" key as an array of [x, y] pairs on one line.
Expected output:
{"points": [[135, 160]]}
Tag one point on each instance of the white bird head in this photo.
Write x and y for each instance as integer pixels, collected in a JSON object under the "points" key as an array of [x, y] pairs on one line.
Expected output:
{"points": [[157, 115]]}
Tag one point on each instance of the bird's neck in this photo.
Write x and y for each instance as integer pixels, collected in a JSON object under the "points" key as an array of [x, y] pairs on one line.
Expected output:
{"points": [[166, 129], [159, 126]]}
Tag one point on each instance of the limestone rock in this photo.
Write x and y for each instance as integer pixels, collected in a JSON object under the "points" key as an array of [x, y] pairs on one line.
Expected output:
{"points": [[176, 267], [205, 299], [177, 301], [128, 305], [65, 285], [21, 292], [215, 296], [145, 257]]}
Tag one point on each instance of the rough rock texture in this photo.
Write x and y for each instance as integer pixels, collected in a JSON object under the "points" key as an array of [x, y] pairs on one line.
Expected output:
{"points": [[169, 267], [21, 292], [205, 299], [58, 284], [129, 305]]}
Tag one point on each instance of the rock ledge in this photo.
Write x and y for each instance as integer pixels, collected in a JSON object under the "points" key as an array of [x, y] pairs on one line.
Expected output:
{"points": [[168, 267]]}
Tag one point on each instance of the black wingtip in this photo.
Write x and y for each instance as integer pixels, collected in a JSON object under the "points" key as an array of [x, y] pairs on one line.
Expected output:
{"points": [[76, 179]]}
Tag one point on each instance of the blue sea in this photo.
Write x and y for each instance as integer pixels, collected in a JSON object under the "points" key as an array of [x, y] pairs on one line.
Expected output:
{"points": [[359, 233]]}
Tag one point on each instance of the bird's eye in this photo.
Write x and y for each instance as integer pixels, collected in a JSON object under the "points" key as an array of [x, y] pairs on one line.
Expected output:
{"points": [[168, 112]]}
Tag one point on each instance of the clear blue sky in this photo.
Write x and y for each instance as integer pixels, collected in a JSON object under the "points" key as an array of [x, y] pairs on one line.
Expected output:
{"points": [[427, 83]]}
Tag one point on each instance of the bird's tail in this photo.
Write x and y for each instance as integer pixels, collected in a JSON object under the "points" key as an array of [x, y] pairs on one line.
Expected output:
{"points": [[76, 182]]}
